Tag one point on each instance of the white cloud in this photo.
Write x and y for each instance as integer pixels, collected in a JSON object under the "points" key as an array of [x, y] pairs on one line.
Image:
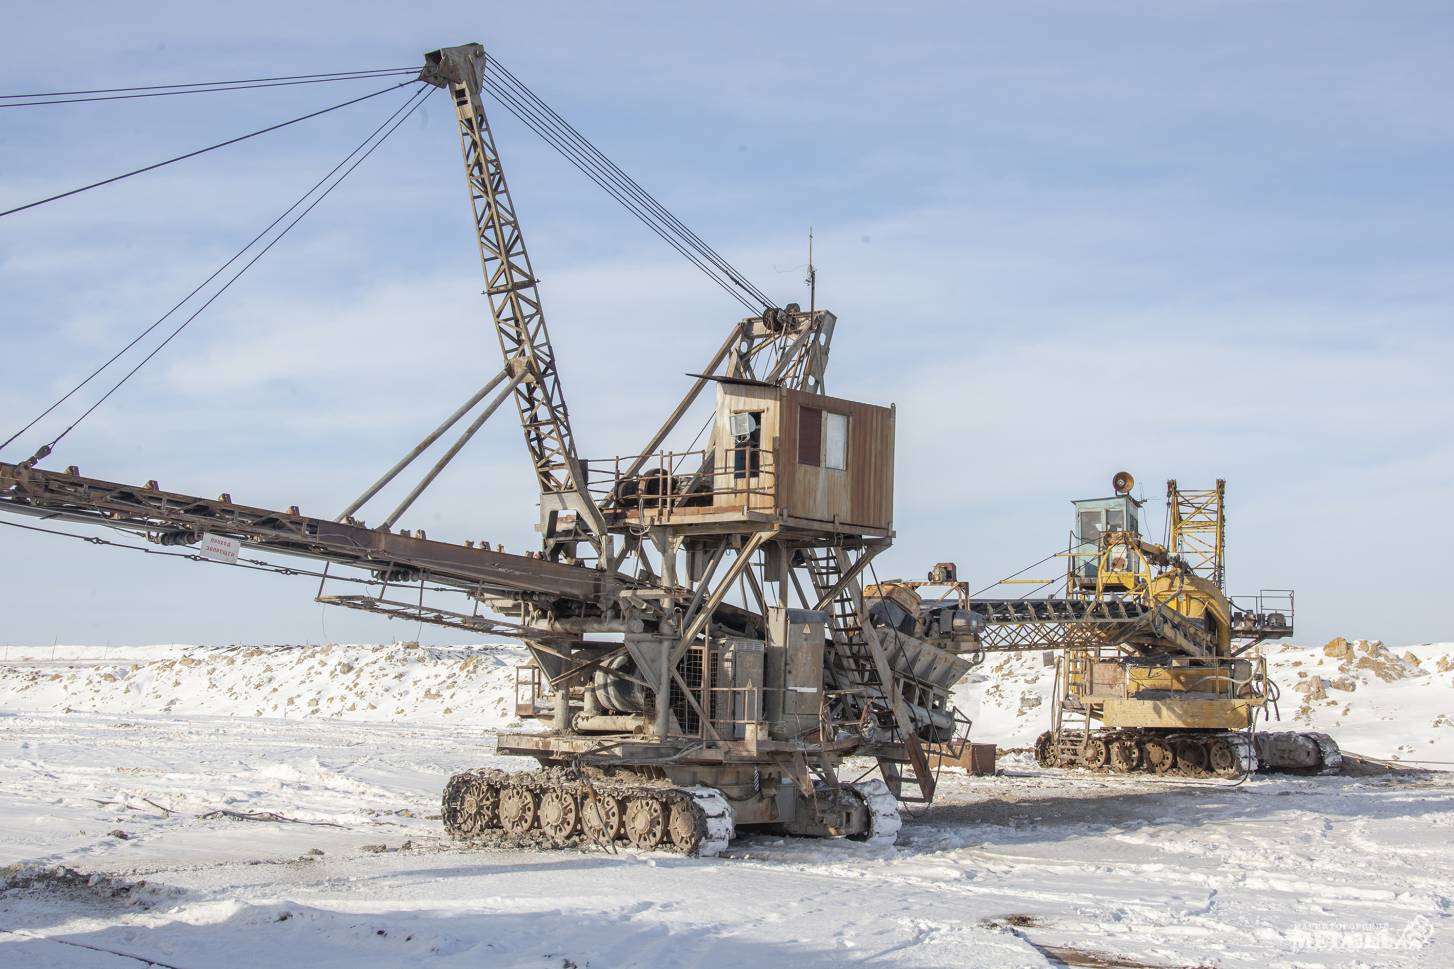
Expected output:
{"points": [[1061, 244]]}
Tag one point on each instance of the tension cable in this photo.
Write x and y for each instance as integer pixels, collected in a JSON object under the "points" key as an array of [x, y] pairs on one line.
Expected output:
{"points": [[168, 90], [217, 272], [544, 121], [203, 151], [630, 184], [389, 127], [246, 80]]}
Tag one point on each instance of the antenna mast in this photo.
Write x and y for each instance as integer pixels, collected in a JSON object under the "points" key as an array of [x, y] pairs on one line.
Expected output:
{"points": [[812, 279]]}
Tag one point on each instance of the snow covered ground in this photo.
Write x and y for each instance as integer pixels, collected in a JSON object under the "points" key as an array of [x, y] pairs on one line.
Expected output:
{"points": [[112, 765], [1389, 703]]}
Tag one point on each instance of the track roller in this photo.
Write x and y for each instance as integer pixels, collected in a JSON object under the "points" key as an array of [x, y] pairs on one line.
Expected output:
{"points": [[1160, 757], [645, 821], [558, 814], [1231, 755], [517, 809], [1192, 758], [470, 805], [681, 826], [1126, 755], [1093, 755], [1045, 749], [600, 818]]}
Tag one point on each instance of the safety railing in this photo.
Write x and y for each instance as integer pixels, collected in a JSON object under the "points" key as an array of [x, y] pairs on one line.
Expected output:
{"points": [[1267, 615], [670, 481], [528, 687]]}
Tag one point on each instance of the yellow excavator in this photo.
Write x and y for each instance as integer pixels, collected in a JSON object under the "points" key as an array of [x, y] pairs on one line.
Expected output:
{"points": [[1155, 668]]}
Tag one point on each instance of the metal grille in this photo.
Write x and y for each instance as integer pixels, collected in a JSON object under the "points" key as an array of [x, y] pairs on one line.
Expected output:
{"points": [[690, 669]]}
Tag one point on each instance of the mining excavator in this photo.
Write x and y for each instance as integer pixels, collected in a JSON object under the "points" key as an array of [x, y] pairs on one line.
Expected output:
{"points": [[1155, 669], [701, 656]]}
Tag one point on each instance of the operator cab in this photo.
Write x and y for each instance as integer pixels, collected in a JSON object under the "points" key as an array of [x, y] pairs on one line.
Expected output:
{"points": [[1093, 518], [778, 458]]}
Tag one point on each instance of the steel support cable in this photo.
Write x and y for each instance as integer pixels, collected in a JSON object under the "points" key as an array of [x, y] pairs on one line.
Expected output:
{"points": [[634, 187], [507, 99], [572, 154], [200, 286], [1019, 573], [200, 90], [603, 165], [682, 230], [203, 151], [417, 99], [241, 80]]}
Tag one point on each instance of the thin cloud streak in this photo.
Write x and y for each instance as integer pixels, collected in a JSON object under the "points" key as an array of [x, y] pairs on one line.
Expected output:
{"points": [[1061, 243]]}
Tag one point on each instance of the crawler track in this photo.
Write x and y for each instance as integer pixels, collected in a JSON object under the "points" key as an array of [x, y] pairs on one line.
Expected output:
{"points": [[557, 807], [1294, 752], [1227, 753]]}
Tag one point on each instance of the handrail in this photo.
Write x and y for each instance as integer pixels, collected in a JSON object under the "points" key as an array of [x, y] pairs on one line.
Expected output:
{"points": [[676, 479]]}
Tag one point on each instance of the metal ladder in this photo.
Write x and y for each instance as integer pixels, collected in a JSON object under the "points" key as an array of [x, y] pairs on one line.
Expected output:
{"points": [[1070, 741], [854, 657]]}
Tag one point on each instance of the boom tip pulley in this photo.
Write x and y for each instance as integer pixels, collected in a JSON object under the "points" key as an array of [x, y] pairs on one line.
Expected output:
{"points": [[454, 65]]}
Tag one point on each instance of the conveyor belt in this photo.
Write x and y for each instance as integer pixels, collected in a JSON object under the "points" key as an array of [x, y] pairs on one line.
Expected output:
{"points": [[1029, 624], [178, 519]]}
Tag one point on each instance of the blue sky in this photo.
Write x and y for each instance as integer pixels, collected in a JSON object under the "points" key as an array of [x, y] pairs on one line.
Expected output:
{"points": [[1194, 240]]}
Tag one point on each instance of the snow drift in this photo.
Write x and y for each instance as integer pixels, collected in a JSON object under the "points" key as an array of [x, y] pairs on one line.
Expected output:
{"points": [[1376, 701], [472, 684]]}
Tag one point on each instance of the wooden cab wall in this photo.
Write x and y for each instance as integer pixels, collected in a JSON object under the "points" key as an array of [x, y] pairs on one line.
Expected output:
{"points": [[825, 460]]}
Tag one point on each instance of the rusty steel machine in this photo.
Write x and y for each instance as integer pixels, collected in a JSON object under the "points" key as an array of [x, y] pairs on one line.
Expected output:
{"points": [[701, 651], [1155, 668]]}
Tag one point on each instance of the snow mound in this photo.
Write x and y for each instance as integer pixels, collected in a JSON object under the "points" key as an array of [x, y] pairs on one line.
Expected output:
{"points": [[50, 881], [473, 684], [1374, 700]]}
